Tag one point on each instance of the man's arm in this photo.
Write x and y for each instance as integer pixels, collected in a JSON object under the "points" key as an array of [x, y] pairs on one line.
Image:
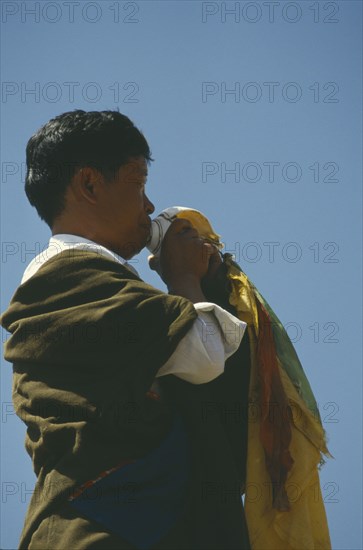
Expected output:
{"points": [[185, 260], [200, 356]]}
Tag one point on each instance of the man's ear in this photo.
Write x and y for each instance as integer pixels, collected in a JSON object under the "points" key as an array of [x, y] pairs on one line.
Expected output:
{"points": [[85, 184]]}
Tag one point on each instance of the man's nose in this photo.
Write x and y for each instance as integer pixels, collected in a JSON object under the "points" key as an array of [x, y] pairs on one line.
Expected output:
{"points": [[149, 207]]}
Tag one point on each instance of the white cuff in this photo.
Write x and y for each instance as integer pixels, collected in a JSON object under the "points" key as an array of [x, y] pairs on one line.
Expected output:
{"points": [[231, 327], [200, 355]]}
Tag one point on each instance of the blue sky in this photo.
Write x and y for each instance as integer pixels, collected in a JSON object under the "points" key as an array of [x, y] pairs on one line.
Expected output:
{"points": [[253, 114]]}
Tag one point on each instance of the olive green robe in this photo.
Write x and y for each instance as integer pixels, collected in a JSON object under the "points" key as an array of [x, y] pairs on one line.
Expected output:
{"points": [[87, 339]]}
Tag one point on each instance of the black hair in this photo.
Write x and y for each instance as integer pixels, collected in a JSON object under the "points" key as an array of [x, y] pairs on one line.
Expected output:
{"points": [[104, 140]]}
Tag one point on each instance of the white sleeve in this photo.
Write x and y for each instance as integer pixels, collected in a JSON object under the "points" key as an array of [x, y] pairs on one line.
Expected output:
{"points": [[200, 356]]}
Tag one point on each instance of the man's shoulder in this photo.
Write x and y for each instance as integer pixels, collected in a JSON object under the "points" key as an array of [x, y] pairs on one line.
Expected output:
{"points": [[35, 264], [77, 277], [74, 259], [83, 291]]}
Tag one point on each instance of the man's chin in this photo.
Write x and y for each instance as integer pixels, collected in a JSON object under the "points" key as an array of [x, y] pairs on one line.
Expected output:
{"points": [[129, 249], [132, 249]]}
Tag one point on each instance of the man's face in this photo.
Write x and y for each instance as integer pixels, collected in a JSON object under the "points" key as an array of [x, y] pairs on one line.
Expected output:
{"points": [[125, 209]]}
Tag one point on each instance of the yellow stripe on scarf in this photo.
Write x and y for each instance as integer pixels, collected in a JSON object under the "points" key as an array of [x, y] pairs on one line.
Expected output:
{"points": [[304, 526]]}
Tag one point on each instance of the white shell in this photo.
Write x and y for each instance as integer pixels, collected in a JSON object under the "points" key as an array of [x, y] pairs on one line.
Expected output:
{"points": [[160, 225]]}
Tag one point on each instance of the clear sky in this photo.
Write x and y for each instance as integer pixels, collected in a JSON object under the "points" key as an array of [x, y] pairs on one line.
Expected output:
{"points": [[253, 113]]}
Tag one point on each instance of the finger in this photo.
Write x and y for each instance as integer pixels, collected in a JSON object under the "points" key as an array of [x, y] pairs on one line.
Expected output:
{"points": [[208, 249], [215, 257], [154, 263]]}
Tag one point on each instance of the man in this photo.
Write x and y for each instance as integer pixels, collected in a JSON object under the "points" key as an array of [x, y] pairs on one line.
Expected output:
{"points": [[110, 374]]}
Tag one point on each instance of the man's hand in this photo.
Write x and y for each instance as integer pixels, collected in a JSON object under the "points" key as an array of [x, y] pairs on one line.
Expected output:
{"points": [[215, 284], [184, 260], [215, 261]]}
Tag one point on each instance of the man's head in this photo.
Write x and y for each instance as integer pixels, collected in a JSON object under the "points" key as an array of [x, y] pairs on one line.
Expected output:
{"points": [[86, 173]]}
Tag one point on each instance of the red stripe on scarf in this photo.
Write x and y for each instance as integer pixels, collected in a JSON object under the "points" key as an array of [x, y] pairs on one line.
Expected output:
{"points": [[276, 417]]}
